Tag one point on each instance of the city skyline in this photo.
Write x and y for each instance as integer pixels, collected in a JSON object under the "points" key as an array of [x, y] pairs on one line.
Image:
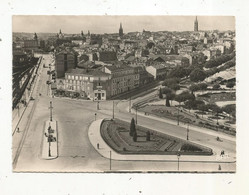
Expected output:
{"points": [[110, 24]]}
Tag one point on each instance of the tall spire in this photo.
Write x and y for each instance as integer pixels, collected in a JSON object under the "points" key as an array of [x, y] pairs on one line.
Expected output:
{"points": [[196, 24], [35, 36], [121, 30]]}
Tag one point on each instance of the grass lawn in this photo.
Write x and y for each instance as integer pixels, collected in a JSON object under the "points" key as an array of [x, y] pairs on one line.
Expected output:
{"points": [[116, 135]]}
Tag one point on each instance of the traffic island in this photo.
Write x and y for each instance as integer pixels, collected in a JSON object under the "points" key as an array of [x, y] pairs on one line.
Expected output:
{"points": [[118, 135], [50, 141]]}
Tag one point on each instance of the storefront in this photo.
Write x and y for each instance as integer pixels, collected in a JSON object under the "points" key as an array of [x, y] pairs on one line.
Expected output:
{"points": [[99, 94]]}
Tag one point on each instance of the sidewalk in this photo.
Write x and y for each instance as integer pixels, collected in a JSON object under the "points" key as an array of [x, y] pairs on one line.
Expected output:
{"points": [[104, 150], [50, 141], [16, 118]]}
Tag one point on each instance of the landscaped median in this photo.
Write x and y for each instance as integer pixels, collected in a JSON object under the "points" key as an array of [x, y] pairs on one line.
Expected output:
{"points": [[50, 141], [107, 135]]}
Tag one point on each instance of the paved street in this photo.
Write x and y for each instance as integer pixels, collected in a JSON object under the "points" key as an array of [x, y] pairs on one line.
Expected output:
{"points": [[75, 150]]}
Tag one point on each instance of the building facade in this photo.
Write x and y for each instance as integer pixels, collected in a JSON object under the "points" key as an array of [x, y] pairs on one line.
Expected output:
{"points": [[124, 78], [63, 62], [158, 71], [94, 84]]}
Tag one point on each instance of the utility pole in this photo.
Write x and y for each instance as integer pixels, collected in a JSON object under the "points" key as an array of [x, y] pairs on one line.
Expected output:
{"points": [[18, 109], [49, 141], [178, 157], [113, 110], [177, 116], [110, 160], [136, 114], [130, 105], [51, 108], [187, 130]]}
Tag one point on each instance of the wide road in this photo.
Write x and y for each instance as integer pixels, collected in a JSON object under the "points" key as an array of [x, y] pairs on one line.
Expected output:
{"points": [[76, 154]]}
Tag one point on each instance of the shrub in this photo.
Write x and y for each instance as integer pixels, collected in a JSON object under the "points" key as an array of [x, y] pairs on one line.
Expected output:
{"points": [[216, 86]]}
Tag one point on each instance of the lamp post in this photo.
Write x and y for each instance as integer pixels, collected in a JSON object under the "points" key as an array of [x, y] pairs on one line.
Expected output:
{"points": [[113, 110], [187, 130], [177, 116], [178, 158], [18, 109], [49, 141], [51, 108], [130, 105], [136, 114]]}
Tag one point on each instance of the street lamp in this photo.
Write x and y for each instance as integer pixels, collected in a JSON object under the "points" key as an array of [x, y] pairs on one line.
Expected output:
{"points": [[130, 105], [136, 114], [49, 141], [178, 157], [177, 116], [187, 130], [113, 110], [51, 108]]}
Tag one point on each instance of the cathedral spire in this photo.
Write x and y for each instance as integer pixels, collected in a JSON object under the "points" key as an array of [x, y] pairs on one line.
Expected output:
{"points": [[121, 33], [196, 24]]}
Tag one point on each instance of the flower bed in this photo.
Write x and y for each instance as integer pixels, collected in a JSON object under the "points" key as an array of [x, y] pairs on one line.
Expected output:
{"points": [[116, 135]]}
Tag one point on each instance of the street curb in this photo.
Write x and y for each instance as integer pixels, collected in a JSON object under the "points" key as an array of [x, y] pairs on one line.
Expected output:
{"points": [[95, 137]]}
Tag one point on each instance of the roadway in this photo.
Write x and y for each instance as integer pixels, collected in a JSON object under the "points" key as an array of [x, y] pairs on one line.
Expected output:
{"points": [[76, 154]]}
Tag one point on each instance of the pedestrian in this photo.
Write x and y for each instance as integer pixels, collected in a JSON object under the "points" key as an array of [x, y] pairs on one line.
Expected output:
{"points": [[98, 145], [18, 130]]}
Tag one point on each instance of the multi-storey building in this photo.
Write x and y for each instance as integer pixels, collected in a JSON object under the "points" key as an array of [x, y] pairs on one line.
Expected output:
{"points": [[64, 61], [158, 71], [93, 84], [124, 78]]}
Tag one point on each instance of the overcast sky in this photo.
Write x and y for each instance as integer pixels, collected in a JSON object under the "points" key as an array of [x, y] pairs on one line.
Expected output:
{"points": [[110, 24]]}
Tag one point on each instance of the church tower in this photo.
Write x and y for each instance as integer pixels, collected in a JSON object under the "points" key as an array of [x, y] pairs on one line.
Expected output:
{"points": [[121, 33], [35, 37], [196, 24]]}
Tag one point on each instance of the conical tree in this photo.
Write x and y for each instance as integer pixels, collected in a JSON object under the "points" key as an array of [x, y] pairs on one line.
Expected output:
{"points": [[160, 93], [132, 127]]}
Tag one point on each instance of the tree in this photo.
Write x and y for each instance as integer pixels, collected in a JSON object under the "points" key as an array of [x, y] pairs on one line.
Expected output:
{"points": [[132, 127], [172, 83], [202, 86], [202, 107], [178, 72], [193, 88], [216, 86], [184, 96], [192, 104], [135, 136], [197, 75], [160, 93], [230, 84], [169, 95]]}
